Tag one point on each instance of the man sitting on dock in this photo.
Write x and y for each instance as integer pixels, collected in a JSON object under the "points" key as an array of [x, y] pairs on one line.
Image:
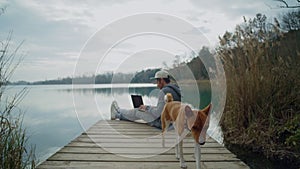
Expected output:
{"points": [[147, 113]]}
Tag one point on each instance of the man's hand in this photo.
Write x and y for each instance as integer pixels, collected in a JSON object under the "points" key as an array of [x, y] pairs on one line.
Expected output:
{"points": [[142, 107]]}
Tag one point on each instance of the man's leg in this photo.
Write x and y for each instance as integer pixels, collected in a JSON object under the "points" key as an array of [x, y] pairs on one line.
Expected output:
{"points": [[134, 114], [121, 114]]}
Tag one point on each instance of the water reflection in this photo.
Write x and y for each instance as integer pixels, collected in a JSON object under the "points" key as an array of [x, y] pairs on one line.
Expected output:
{"points": [[49, 118], [189, 95]]}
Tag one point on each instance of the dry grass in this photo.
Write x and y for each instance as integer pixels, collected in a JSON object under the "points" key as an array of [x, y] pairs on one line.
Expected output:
{"points": [[263, 102], [14, 152]]}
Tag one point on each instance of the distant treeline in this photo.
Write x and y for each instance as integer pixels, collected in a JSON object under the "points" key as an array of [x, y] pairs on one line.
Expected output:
{"points": [[109, 77], [179, 67]]}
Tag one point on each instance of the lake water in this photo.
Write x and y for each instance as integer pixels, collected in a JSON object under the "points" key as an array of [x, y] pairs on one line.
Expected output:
{"points": [[56, 114]]}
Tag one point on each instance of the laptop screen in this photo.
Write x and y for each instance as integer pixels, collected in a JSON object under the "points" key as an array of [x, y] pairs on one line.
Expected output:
{"points": [[137, 101]]}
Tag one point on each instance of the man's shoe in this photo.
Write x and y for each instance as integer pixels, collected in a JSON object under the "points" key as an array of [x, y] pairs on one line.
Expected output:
{"points": [[114, 110]]}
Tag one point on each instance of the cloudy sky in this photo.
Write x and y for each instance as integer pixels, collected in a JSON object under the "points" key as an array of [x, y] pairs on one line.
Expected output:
{"points": [[56, 33]]}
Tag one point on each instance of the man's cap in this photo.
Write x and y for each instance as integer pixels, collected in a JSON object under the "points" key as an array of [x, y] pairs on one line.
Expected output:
{"points": [[161, 74]]}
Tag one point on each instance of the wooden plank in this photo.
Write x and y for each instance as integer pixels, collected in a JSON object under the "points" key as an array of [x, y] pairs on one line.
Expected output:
{"points": [[113, 138], [122, 124], [224, 165], [187, 150], [124, 127], [122, 144], [136, 145], [136, 158], [132, 140], [148, 133], [159, 137], [117, 122], [114, 165], [139, 130], [143, 165], [129, 133]]}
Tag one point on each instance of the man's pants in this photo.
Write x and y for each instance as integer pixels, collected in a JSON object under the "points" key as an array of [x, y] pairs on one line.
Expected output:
{"points": [[136, 114]]}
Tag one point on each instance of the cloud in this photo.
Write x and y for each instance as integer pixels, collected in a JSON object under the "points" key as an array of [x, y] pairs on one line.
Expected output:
{"points": [[73, 12], [231, 8], [54, 32], [197, 30], [69, 55], [3, 4], [236, 9]]}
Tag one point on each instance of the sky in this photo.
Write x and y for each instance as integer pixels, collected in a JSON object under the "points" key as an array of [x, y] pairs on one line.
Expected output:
{"points": [[70, 38]]}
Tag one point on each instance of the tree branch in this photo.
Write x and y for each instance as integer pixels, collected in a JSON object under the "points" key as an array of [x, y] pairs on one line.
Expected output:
{"points": [[2, 10], [287, 5]]}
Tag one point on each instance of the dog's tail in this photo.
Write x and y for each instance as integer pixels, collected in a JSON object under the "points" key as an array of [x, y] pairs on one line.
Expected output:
{"points": [[168, 97]]}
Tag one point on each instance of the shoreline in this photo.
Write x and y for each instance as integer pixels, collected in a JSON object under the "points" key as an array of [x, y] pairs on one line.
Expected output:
{"points": [[255, 158]]}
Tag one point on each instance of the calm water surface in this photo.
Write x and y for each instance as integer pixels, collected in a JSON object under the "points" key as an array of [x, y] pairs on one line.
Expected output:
{"points": [[56, 114]]}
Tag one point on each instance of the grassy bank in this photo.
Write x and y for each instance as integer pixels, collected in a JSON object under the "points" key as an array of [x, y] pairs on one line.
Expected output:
{"points": [[262, 112], [13, 143], [14, 151]]}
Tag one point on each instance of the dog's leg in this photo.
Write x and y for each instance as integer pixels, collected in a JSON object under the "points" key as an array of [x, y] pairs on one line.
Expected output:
{"points": [[163, 140], [165, 125], [177, 147], [197, 155], [182, 162], [177, 139]]}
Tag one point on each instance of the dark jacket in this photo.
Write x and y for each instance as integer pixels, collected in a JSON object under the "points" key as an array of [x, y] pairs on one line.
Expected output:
{"points": [[157, 110], [174, 90]]}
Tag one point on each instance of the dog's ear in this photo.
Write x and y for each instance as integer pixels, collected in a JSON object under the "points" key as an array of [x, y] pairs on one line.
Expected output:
{"points": [[197, 122], [188, 111], [206, 109]]}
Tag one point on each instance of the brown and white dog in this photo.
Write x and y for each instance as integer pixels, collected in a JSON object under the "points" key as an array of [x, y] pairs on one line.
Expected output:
{"points": [[183, 117]]}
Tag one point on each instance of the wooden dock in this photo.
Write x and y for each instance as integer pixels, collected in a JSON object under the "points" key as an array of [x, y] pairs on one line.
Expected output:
{"points": [[121, 144]]}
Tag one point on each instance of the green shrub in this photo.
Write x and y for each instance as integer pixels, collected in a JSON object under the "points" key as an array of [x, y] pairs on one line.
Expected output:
{"points": [[289, 134]]}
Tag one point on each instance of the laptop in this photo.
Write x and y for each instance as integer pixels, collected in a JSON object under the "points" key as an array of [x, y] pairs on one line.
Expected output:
{"points": [[137, 100]]}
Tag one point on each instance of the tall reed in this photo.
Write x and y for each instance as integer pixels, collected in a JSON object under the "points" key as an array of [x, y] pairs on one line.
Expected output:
{"points": [[14, 151], [262, 66]]}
